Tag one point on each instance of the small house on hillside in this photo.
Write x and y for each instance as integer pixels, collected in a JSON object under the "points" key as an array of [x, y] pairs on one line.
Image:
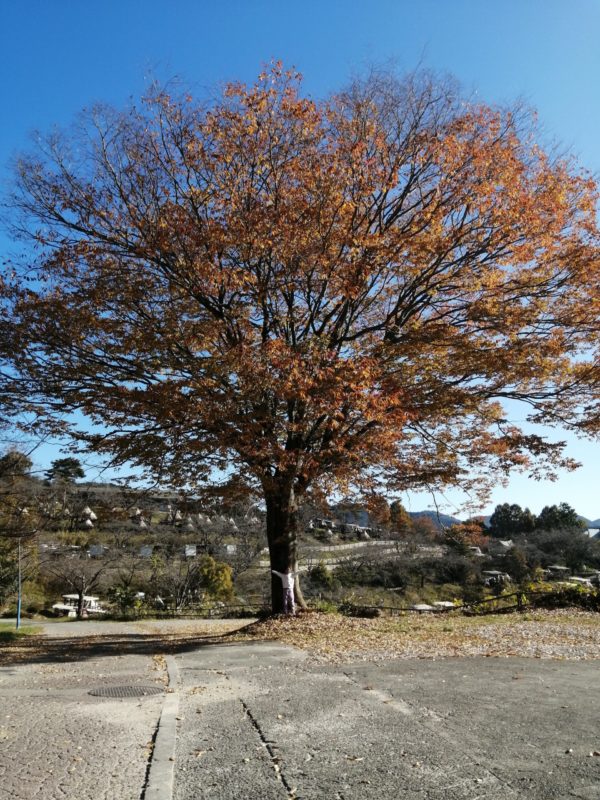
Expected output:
{"points": [[499, 547], [327, 524], [492, 577]]}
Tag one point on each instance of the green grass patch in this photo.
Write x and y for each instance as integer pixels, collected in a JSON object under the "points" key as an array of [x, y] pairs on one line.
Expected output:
{"points": [[8, 633]]}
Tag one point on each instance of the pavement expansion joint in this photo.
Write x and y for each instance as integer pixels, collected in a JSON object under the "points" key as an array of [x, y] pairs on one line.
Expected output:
{"points": [[270, 747], [159, 783], [152, 745]]}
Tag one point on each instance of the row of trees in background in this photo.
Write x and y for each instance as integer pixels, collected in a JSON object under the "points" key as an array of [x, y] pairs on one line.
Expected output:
{"points": [[131, 583], [509, 519]]}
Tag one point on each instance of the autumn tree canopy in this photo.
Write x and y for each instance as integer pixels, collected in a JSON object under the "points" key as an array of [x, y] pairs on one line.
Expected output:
{"points": [[316, 294]]}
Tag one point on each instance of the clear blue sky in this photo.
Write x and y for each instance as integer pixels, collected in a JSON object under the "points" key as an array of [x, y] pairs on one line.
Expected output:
{"points": [[58, 56]]}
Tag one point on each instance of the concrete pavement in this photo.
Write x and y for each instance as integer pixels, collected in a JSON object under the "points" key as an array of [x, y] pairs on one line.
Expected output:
{"points": [[58, 741], [260, 721]]}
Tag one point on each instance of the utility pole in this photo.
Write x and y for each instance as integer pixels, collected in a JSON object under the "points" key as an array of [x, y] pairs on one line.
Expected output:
{"points": [[19, 587]]}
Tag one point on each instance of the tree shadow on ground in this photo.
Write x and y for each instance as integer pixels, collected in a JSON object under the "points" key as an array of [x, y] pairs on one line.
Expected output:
{"points": [[39, 649]]}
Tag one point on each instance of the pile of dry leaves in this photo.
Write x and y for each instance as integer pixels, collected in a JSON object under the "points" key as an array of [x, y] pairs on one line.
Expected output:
{"points": [[335, 638]]}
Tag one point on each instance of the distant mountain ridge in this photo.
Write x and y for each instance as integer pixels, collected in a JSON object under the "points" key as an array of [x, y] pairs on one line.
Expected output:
{"points": [[439, 520], [360, 516], [590, 523]]}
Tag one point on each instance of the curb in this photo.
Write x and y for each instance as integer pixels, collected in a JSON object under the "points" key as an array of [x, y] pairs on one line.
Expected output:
{"points": [[162, 765]]}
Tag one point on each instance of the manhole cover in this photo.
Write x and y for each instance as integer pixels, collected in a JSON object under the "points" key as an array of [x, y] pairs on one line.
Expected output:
{"points": [[125, 691]]}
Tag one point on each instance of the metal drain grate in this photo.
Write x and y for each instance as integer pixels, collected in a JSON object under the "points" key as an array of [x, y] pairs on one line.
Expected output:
{"points": [[125, 691]]}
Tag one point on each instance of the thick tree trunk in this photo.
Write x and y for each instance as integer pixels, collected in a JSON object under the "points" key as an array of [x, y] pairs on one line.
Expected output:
{"points": [[80, 596], [282, 540]]}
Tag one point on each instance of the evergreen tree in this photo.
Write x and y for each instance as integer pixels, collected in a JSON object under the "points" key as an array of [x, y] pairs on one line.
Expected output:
{"points": [[559, 517], [510, 520], [65, 470]]}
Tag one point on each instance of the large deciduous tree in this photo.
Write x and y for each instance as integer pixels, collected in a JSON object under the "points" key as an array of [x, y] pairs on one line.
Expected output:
{"points": [[315, 294]]}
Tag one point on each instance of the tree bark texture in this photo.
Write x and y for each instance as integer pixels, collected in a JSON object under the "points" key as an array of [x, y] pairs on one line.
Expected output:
{"points": [[282, 537]]}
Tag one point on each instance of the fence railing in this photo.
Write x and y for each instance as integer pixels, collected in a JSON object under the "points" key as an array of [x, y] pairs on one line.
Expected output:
{"points": [[496, 604]]}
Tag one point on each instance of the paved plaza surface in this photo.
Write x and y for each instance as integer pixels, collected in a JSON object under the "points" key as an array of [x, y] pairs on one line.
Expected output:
{"points": [[261, 720], [58, 741]]}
